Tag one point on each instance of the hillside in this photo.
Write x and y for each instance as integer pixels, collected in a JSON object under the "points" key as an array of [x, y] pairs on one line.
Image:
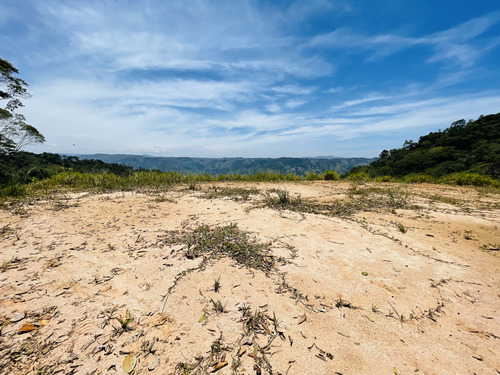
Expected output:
{"points": [[473, 146], [24, 167], [216, 166]]}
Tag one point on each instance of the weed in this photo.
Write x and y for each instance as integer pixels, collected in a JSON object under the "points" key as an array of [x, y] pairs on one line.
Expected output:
{"points": [[343, 303], [218, 306], [182, 368], [124, 323], [245, 310], [283, 201], [147, 346], [375, 309], [217, 285], [297, 295], [398, 198], [468, 235], [275, 322], [402, 228]]}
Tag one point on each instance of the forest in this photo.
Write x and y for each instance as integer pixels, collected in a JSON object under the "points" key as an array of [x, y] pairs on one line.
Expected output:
{"points": [[472, 146]]}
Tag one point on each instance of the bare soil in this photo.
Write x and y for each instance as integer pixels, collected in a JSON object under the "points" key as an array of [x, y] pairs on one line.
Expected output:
{"points": [[408, 283]]}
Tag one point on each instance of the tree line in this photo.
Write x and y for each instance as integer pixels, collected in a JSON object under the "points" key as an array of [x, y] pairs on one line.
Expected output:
{"points": [[472, 146]]}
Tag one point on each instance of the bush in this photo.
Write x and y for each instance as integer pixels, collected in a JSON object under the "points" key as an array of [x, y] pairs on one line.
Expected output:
{"points": [[13, 191], [313, 177], [331, 176], [474, 179]]}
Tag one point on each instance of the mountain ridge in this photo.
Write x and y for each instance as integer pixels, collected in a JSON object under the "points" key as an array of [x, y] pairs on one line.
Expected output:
{"points": [[233, 165]]}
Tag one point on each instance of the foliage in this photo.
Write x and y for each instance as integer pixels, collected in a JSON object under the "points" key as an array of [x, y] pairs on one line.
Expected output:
{"points": [[311, 176], [24, 167], [473, 179], [14, 131], [472, 146], [331, 176], [359, 176]]}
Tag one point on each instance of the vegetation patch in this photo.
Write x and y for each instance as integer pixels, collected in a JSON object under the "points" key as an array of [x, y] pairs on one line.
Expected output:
{"points": [[227, 241], [233, 193]]}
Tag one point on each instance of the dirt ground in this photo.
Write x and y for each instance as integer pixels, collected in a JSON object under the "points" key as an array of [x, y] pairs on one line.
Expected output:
{"points": [[406, 283]]}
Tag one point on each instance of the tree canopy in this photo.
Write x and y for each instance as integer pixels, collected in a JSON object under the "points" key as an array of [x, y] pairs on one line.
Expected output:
{"points": [[15, 133], [464, 146]]}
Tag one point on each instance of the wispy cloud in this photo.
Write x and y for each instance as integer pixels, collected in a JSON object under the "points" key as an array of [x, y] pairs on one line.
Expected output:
{"points": [[454, 44]]}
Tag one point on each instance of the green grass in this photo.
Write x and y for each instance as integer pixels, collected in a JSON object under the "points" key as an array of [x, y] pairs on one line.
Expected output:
{"points": [[470, 179]]}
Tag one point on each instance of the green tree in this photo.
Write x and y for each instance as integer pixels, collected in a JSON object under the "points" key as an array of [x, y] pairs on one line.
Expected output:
{"points": [[15, 133]]}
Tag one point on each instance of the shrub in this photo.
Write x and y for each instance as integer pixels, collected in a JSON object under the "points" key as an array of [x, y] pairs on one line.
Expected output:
{"points": [[13, 191], [313, 177], [331, 176], [474, 179]]}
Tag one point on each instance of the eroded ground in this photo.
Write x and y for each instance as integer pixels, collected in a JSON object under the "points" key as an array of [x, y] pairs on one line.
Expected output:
{"points": [[368, 279]]}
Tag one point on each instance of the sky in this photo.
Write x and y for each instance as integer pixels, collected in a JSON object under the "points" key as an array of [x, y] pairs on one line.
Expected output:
{"points": [[250, 78]]}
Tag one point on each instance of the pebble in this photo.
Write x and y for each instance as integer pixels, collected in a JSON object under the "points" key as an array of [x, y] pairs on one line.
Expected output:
{"points": [[17, 317], [153, 364]]}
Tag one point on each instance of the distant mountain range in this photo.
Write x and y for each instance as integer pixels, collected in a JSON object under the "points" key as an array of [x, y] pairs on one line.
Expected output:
{"points": [[216, 166]]}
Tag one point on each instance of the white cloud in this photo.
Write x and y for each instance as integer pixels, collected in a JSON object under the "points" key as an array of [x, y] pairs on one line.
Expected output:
{"points": [[292, 104]]}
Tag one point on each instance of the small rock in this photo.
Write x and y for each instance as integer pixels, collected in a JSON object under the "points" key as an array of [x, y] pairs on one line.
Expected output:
{"points": [[17, 317], [154, 364]]}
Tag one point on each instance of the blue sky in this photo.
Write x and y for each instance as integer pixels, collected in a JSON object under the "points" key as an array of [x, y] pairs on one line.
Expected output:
{"points": [[250, 78]]}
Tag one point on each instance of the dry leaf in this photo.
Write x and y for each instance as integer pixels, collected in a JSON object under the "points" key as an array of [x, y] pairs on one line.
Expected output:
{"points": [[253, 354], [27, 327], [129, 363], [219, 365], [268, 332], [302, 319]]}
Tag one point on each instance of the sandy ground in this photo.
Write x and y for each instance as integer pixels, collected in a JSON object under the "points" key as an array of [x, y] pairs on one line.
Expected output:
{"points": [[383, 291]]}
